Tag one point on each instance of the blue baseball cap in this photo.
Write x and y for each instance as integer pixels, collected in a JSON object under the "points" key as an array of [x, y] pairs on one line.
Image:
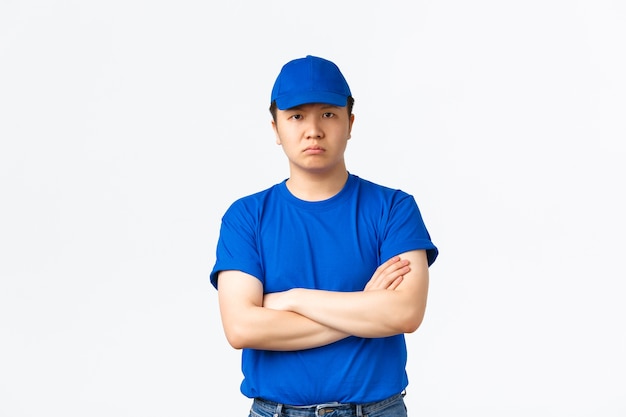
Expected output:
{"points": [[310, 80]]}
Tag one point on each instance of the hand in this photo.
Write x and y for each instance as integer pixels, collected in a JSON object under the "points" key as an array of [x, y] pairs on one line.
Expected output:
{"points": [[388, 275]]}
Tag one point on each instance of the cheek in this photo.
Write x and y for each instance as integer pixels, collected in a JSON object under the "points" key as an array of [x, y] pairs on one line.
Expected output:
{"points": [[288, 148]]}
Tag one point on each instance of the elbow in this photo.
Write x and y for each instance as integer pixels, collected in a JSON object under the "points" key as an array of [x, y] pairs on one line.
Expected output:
{"points": [[410, 326], [235, 343], [411, 322], [237, 338], [242, 331]]}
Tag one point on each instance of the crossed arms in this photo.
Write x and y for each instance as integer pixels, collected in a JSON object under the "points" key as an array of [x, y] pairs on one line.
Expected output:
{"points": [[393, 302]]}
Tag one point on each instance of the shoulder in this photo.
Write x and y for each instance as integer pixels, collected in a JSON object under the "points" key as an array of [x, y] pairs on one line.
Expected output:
{"points": [[370, 189], [253, 202], [259, 195]]}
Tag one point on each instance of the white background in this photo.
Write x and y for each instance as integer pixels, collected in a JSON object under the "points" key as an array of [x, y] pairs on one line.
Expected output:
{"points": [[128, 127]]}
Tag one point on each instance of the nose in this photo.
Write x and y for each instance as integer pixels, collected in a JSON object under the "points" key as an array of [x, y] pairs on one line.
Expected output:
{"points": [[314, 130]]}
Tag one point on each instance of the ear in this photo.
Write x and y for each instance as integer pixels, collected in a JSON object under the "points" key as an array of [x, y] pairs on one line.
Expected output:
{"points": [[351, 122], [276, 132]]}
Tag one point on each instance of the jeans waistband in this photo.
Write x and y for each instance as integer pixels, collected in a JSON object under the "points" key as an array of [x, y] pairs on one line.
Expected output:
{"points": [[319, 410]]}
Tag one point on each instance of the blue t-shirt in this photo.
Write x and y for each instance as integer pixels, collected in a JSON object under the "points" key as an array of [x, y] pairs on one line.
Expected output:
{"points": [[336, 245]]}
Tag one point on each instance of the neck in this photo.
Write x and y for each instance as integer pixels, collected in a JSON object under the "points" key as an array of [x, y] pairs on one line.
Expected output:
{"points": [[317, 187]]}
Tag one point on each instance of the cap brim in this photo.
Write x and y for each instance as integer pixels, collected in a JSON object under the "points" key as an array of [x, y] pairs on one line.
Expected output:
{"points": [[288, 101]]}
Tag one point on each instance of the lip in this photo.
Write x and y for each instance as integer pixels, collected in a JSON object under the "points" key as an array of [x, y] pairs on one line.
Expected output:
{"points": [[314, 150]]}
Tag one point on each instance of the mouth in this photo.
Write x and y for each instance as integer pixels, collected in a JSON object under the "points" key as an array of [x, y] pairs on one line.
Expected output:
{"points": [[314, 149]]}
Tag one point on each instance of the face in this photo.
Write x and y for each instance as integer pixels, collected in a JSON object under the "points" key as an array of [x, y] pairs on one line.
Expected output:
{"points": [[314, 137]]}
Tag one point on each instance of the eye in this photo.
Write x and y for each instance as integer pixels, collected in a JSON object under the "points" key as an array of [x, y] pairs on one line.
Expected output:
{"points": [[328, 115], [296, 117]]}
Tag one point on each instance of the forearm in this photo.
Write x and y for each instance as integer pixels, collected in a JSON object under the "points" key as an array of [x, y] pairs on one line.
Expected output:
{"points": [[369, 314], [386, 307], [249, 324], [263, 328]]}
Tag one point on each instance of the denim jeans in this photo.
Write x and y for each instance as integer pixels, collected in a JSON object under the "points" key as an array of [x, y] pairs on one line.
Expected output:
{"points": [[391, 407]]}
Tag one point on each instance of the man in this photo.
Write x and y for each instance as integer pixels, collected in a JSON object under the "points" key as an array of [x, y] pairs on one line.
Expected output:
{"points": [[320, 276]]}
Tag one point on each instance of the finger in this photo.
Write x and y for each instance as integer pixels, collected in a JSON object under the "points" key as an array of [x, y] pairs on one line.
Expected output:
{"points": [[392, 281], [389, 269], [380, 271], [387, 278], [396, 283], [382, 267], [385, 272]]}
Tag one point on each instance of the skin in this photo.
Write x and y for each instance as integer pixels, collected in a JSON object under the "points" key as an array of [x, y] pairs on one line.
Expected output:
{"points": [[314, 138]]}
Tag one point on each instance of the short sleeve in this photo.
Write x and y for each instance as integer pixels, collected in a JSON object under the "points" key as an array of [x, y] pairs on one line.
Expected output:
{"points": [[237, 243], [404, 230]]}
